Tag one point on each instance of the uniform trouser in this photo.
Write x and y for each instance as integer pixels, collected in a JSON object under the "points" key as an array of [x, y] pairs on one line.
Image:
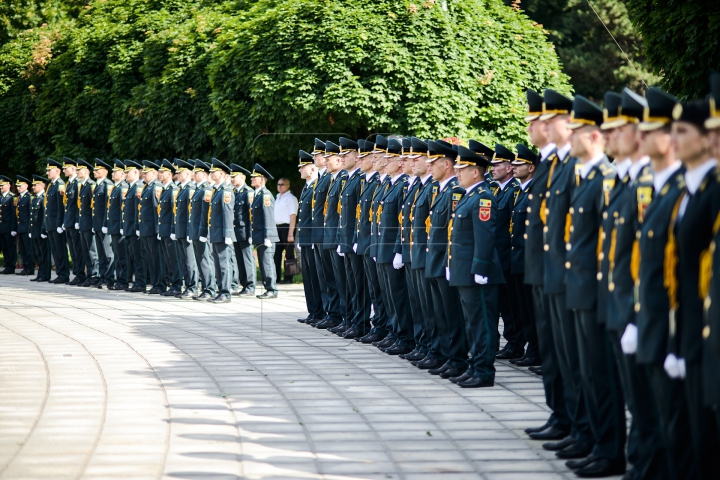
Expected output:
{"points": [[672, 408], [311, 284], [267, 267], [106, 258], [58, 248], [415, 308], [120, 255], [7, 245], [206, 266], [565, 333], [223, 271], [25, 245], [245, 261], [75, 246], [283, 245], [380, 317], [186, 258], [42, 256], [645, 449], [703, 428], [357, 292], [429, 325], [401, 321], [507, 309], [136, 261], [450, 342], [526, 313], [479, 304], [155, 270], [551, 376], [173, 275], [328, 286], [338, 268], [89, 254], [601, 384]]}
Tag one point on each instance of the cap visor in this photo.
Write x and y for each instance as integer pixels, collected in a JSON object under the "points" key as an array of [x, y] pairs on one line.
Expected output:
{"points": [[459, 166], [613, 124], [650, 126], [712, 123], [575, 126], [530, 118], [546, 116]]}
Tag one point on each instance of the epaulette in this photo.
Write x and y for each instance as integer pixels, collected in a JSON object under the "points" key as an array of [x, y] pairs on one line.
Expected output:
{"points": [[227, 187]]}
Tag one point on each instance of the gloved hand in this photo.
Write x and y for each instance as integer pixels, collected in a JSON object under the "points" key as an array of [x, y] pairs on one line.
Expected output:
{"points": [[203, 239], [228, 241], [312, 247], [629, 340], [355, 248], [375, 259], [172, 237], [298, 247], [137, 233], [77, 226], [59, 229], [121, 232], [188, 240], [29, 235], [267, 243], [397, 261], [43, 236], [93, 230], [250, 241], [447, 273], [13, 233], [480, 280], [158, 236], [674, 367], [339, 252], [104, 230]]}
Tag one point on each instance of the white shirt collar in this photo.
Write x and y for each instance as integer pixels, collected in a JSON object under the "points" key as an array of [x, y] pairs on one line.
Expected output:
{"points": [[72, 178], [184, 183], [395, 178], [368, 176], [411, 179], [165, 185], [445, 182], [623, 167], [694, 177], [382, 177], [352, 172], [563, 152], [545, 151], [82, 182], [472, 187], [502, 185], [310, 182], [321, 172], [586, 167], [635, 168], [425, 179], [662, 176], [334, 175], [523, 186]]}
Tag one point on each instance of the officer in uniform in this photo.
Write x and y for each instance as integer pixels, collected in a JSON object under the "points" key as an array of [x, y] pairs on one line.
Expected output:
{"points": [[37, 232], [70, 219], [84, 224], [148, 209], [131, 228], [22, 210], [8, 225], [166, 222], [103, 241], [311, 283], [198, 230], [264, 232], [54, 216], [221, 229], [475, 268], [113, 225], [243, 259], [180, 229]]}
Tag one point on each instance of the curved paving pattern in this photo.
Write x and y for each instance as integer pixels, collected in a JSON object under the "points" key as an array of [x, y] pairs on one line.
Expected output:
{"points": [[96, 384]]}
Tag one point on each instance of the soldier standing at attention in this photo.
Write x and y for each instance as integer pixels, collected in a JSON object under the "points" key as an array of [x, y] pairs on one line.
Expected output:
{"points": [[264, 233], [311, 283], [131, 228], [70, 219], [22, 210], [103, 241], [149, 198], [166, 222], [199, 218], [113, 226], [221, 228], [54, 215], [37, 232], [243, 251], [8, 225], [86, 188], [180, 230]]}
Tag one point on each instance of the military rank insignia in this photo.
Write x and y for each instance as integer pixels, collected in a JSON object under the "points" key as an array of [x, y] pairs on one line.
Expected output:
{"points": [[110, 189], [139, 193], [226, 197], [251, 197], [485, 209], [61, 189], [455, 199], [123, 193], [644, 196], [158, 192], [208, 195], [267, 199], [608, 185]]}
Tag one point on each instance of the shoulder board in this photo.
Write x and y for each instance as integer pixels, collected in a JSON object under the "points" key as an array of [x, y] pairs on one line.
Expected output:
{"points": [[455, 186], [646, 178], [591, 175]]}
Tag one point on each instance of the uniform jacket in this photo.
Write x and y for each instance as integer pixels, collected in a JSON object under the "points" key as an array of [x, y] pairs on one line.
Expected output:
{"points": [[349, 212], [116, 208], [318, 216], [166, 209], [409, 197], [389, 220], [243, 227], [263, 217], [222, 206], [441, 210], [85, 205], [332, 210], [148, 208], [37, 216], [378, 195], [420, 219], [518, 228], [131, 208], [71, 206], [181, 218], [54, 204], [473, 241], [304, 217], [363, 235], [199, 209], [8, 215], [505, 200], [23, 212], [534, 224], [101, 195]]}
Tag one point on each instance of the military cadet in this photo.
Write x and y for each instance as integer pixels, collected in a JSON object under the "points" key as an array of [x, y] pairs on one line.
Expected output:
{"points": [[264, 231], [653, 307], [166, 222], [136, 269], [148, 208], [180, 229], [8, 225], [338, 177], [84, 224], [358, 321], [198, 230], [103, 241], [70, 219], [475, 267], [601, 383], [450, 341], [37, 231], [244, 261], [221, 229], [691, 233], [54, 216], [113, 226], [311, 283], [524, 167], [22, 211]]}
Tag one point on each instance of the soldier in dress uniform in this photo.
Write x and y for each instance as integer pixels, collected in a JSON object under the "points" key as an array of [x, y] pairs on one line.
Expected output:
{"points": [[244, 261], [84, 224], [198, 230], [131, 228], [37, 232], [113, 225], [70, 219], [148, 208], [221, 229], [475, 268], [8, 225], [54, 216], [103, 241], [264, 231], [311, 283], [601, 382], [22, 211], [166, 223], [180, 230]]}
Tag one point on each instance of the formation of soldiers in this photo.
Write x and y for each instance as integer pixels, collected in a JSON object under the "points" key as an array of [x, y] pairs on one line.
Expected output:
{"points": [[186, 229], [601, 271]]}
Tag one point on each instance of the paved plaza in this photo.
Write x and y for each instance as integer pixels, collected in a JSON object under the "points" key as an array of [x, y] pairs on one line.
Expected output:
{"points": [[96, 383]]}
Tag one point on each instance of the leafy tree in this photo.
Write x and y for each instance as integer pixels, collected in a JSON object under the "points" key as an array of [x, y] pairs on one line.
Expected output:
{"points": [[19, 15]]}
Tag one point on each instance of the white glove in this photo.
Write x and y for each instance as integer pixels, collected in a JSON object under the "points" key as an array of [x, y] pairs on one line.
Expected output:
{"points": [[312, 247], [339, 252], [172, 237], [43, 236], [93, 230], [59, 229], [158, 236], [77, 226], [628, 342], [375, 259], [228, 241], [447, 273], [397, 261], [674, 367], [203, 239], [29, 235], [13, 233], [121, 232], [104, 230], [298, 247], [267, 243], [250, 241], [480, 280], [137, 233], [355, 248]]}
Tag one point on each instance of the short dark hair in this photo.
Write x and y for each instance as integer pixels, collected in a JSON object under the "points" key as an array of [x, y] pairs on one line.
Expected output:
{"points": [[283, 179]]}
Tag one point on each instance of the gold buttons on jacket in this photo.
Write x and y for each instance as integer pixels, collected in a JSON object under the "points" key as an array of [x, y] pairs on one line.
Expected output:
{"points": [[572, 210], [568, 247], [599, 276], [546, 247], [567, 265], [527, 223]]}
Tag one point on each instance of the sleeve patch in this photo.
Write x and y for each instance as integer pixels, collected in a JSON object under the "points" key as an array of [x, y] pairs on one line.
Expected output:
{"points": [[227, 197], [267, 199], [485, 210]]}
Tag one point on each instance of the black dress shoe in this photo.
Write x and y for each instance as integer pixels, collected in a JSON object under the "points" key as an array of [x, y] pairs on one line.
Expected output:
{"points": [[313, 323], [169, 293], [437, 371], [385, 343], [352, 333], [557, 446], [325, 324], [154, 291], [536, 370], [304, 320], [34, 279], [247, 292], [397, 350], [338, 328], [221, 298], [42, 280], [576, 450], [537, 429], [417, 356], [87, 283], [550, 433], [602, 468], [528, 362], [430, 363], [370, 338], [465, 376], [204, 297], [268, 295], [76, 281], [137, 289], [187, 294], [453, 372], [509, 353], [24, 273], [475, 382], [584, 462]]}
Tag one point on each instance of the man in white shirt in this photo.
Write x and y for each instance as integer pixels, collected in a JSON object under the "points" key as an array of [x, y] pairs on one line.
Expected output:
{"points": [[286, 207]]}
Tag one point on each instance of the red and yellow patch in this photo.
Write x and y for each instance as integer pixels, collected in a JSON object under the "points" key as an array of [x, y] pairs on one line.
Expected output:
{"points": [[267, 199], [227, 197], [158, 192], [139, 192], [455, 199], [644, 196], [485, 210], [208, 195], [123, 193], [61, 188]]}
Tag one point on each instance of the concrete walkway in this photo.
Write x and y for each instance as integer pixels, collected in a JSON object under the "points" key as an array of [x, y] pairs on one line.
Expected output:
{"points": [[95, 383]]}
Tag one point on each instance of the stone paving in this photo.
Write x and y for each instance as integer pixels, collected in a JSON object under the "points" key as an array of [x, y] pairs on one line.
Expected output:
{"points": [[102, 384]]}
